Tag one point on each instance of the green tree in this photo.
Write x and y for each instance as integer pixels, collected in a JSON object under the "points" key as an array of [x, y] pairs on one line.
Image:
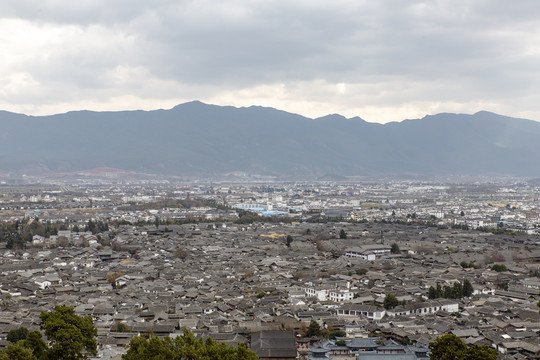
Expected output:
{"points": [[448, 347], [141, 348], [467, 265], [342, 234], [395, 249], [361, 271], [467, 288], [17, 352], [120, 327], [17, 334], [91, 226], [314, 329], [390, 301], [71, 337], [432, 293], [289, 240], [185, 347], [14, 240], [35, 342], [438, 291], [448, 292], [484, 352], [181, 252], [336, 333], [451, 347], [457, 290], [96, 226], [499, 268], [102, 226]]}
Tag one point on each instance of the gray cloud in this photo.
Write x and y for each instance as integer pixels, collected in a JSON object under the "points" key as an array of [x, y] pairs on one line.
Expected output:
{"points": [[456, 55]]}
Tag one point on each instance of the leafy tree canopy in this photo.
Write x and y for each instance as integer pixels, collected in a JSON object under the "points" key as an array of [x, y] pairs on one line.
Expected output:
{"points": [[336, 333], [71, 337], [484, 352], [289, 240], [17, 352], [451, 347], [185, 347], [448, 347], [314, 329], [390, 301], [457, 291], [499, 268], [467, 288], [35, 342], [181, 252], [17, 334]]}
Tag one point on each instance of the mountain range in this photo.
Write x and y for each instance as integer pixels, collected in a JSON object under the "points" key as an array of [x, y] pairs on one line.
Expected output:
{"points": [[197, 139]]}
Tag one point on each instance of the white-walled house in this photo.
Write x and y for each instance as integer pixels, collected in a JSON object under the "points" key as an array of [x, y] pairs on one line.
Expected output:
{"points": [[320, 294], [323, 294], [47, 280], [425, 308], [354, 310], [42, 282], [38, 240], [367, 252], [340, 295]]}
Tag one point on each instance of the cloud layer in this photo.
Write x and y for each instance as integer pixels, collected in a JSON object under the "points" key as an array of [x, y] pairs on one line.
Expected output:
{"points": [[381, 60]]}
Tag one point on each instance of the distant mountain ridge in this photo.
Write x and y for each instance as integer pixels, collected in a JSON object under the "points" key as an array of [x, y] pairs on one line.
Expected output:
{"points": [[197, 139]]}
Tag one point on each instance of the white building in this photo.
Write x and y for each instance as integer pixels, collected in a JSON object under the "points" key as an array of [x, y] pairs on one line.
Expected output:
{"points": [[425, 308], [340, 295], [356, 310], [37, 240], [321, 294], [367, 252]]}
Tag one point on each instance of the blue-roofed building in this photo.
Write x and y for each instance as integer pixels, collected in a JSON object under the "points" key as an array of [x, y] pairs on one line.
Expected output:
{"points": [[272, 213], [366, 348], [381, 356]]}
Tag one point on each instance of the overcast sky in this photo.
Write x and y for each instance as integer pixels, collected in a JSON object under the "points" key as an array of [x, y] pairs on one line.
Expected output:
{"points": [[382, 60]]}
